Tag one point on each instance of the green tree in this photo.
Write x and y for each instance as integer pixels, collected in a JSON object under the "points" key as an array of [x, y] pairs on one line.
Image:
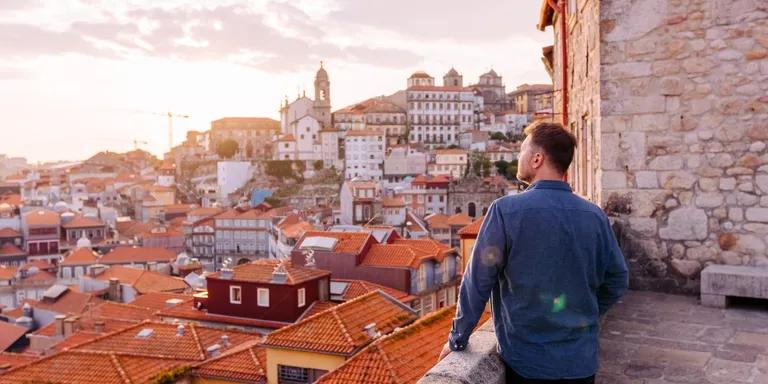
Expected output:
{"points": [[499, 136], [511, 173], [227, 148], [281, 169], [480, 164], [501, 167]]}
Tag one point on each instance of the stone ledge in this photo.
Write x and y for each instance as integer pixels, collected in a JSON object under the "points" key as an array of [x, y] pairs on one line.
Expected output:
{"points": [[478, 364]]}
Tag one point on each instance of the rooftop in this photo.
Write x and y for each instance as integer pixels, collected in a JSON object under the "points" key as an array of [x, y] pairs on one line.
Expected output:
{"points": [[128, 255], [473, 229], [261, 271], [246, 364], [340, 330], [142, 280], [346, 242]]}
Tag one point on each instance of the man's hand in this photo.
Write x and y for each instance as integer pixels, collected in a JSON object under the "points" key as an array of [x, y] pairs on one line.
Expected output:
{"points": [[446, 350]]}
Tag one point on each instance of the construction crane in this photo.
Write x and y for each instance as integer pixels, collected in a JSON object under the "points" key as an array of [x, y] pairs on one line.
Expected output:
{"points": [[170, 116]]}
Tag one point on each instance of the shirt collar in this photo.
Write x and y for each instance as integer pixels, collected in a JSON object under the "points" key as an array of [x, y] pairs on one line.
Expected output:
{"points": [[550, 184]]}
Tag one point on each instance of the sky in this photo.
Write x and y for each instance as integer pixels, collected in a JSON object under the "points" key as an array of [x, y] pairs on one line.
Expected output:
{"points": [[82, 76]]}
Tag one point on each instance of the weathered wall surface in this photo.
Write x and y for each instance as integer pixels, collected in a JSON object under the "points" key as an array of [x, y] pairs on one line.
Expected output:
{"points": [[684, 127]]}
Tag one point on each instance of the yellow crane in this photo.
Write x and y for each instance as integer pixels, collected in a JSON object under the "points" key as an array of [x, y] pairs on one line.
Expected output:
{"points": [[171, 116]]}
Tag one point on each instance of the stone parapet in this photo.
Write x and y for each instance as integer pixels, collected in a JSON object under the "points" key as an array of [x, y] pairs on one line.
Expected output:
{"points": [[480, 363]]}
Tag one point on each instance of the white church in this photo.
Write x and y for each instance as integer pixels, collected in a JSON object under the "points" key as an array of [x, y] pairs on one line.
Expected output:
{"points": [[306, 131]]}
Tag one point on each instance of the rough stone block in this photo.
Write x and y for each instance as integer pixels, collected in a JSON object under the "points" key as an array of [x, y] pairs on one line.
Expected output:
{"points": [[685, 224], [479, 363], [732, 280]]}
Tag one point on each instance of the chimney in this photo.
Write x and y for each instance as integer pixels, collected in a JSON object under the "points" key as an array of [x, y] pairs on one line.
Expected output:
{"points": [[26, 310], [114, 290], [59, 325], [180, 330], [226, 274], [98, 326], [70, 326], [370, 329], [214, 350], [280, 274], [225, 341]]}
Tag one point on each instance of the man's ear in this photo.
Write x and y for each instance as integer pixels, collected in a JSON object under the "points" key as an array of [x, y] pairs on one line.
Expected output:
{"points": [[538, 160]]}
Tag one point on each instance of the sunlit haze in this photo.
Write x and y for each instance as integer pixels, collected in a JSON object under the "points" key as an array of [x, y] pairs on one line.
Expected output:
{"points": [[77, 77]]}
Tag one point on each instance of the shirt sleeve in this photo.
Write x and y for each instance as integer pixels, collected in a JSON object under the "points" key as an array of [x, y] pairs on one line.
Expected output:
{"points": [[616, 277], [488, 256]]}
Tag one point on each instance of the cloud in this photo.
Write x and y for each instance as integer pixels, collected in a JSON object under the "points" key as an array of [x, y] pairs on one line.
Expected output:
{"points": [[11, 73], [482, 20], [282, 39], [17, 4]]}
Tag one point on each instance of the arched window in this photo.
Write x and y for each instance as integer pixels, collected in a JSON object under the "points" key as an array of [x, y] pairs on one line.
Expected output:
{"points": [[471, 210]]}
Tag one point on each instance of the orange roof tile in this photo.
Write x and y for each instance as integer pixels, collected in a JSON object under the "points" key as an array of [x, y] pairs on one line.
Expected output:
{"points": [[260, 271], [450, 151], [204, 212], [41, 217], [7, 273], [316, 307], [237, 213], [403, 356], [340, 329], [70, 302], [81, 256], [127, 255], [405, 253], [164, 341], [472, 229], [357, 288], [8, 250], [144, 281], [13, 360], [246, 363], [461, 219], [392, 202], [294, 231], [347, 242], [438, 220], [428, 179], [9, 232], [157, 300], [9, 333], [102, 367]]}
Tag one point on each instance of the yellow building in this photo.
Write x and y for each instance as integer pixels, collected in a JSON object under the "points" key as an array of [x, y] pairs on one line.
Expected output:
{"points": [[468, 236], [304, 351]]}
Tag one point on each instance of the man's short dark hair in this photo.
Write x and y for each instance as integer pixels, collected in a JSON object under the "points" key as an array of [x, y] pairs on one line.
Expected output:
{"points": [[557, 143]]}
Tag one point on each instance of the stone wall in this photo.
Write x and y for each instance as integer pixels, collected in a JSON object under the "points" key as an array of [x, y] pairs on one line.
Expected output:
{"points": [[684, 126]]}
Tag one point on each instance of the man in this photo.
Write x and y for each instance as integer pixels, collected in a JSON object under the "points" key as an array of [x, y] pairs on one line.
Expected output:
{"points": [[550, 264]]}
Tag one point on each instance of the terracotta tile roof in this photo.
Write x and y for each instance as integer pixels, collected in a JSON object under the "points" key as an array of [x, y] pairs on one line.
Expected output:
{"points": [[187, 311], [6, 272], [428, 179], [392, 202], [9, 250], [260, 271], [287, 138], [472, 229], [403, 356], [237, 213], [164, 341], [9, 232], [39, 264], [13, 360], [450, 151], [102, 368], [315, 308], [347, 242], [295, 231], [69, 303], [290, 219], [41, 217], [128, 255], [246, 364], [340, 329], [204, 212], [40, 278], [405, 253], [461, 219], [144, 281], [83, 222], [9, 333], [81, 256], [157, 300], [438, 220], [357, 288], [179, 208]]}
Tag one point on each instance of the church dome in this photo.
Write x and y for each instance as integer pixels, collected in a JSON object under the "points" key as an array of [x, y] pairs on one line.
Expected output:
{"points": [[83, 242], [420, 74], [452, 72], [491, 73]]}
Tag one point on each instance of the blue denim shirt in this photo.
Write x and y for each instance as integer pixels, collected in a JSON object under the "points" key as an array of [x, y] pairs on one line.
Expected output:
{"points": [[550, 264]]}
